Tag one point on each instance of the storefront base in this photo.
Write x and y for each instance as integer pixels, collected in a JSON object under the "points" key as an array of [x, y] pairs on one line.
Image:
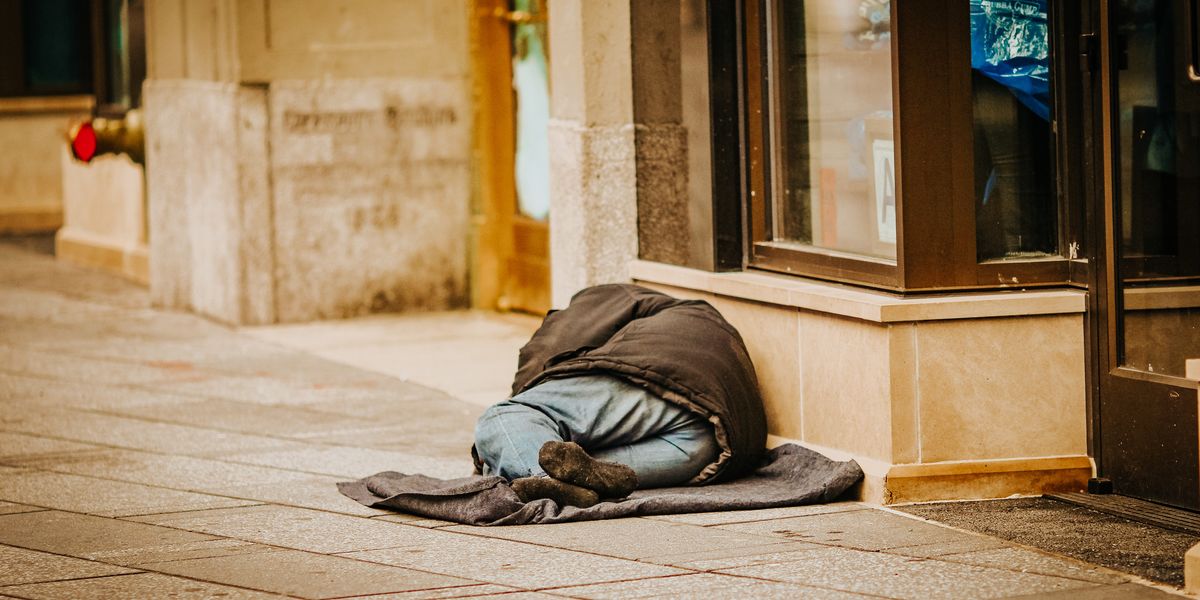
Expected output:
{"points": [[104, 220], [130, 262], [960, 396], [35, 132]]}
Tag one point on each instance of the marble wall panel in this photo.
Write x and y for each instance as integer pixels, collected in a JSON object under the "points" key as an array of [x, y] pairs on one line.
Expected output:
{"points": [[1001, 388], [846, 386]]}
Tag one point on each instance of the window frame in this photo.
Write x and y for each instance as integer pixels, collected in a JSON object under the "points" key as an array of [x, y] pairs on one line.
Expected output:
{"points": [[92, 19], [932, 119]]}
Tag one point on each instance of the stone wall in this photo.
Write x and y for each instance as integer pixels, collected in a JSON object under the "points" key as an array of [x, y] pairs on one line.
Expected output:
{"points": [[371, 195], [304, 200], [32, 136], [308, 159], [940, 408]]}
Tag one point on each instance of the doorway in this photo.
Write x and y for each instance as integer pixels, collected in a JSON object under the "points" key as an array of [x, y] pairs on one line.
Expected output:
{"points": [[1145, 277], [510, 231]]}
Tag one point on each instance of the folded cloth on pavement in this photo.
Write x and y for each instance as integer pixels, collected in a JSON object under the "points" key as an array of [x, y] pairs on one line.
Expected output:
{"points": [[790, 475]]}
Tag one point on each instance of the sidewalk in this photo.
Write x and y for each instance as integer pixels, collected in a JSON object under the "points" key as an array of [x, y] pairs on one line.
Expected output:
{"points": [[146, 453]]}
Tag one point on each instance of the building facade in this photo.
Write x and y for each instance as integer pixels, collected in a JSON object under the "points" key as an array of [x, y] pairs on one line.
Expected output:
{"points": [[957, 236]]}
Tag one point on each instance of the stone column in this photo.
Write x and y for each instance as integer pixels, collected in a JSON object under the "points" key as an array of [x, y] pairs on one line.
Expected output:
{"points": [[660, 138], [307, 159], [593, 183]]}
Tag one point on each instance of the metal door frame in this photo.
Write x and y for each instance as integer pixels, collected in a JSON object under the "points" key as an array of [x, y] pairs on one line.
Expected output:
{"points": [[1144, 430]]}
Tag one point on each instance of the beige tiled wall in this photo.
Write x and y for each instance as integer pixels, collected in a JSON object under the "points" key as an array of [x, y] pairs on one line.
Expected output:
{"points": [[31, 168], [846, 385], [917, 392], [771, 334], [1001, 388]]}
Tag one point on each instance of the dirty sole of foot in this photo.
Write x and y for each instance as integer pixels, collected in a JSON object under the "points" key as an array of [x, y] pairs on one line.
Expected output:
{"points": [[1119, 544]]}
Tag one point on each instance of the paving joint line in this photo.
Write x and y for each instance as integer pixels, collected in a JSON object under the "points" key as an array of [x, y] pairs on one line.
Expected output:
{"points": [[146, 566]]}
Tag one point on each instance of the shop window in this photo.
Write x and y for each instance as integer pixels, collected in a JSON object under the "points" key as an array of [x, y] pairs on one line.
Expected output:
{"points": [[908, 145], [831, 99], [45, 47], [74, 47], [123, 54]]}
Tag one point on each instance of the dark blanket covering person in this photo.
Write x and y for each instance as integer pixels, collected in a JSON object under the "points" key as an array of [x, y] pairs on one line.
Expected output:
{"points": [[789, 475], [682, 351]]}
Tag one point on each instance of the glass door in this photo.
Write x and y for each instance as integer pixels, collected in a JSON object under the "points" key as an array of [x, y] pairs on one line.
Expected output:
{"points": [[1150, 287]]}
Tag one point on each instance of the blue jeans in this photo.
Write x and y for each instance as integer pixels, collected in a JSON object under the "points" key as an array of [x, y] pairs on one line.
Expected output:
{"points": [[611, 419]]}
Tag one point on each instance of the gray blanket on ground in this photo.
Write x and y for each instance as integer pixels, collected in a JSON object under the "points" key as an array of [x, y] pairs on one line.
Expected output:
{"points": [[789, 476]]}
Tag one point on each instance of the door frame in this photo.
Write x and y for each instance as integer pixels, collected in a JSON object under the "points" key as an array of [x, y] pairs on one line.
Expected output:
{"points": [[509, 251], [494, 202], [1144, 430]]}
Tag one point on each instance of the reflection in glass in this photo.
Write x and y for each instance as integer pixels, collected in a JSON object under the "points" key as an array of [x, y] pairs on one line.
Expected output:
{"points": [[832, 109], [1158, 190], [1016, 213], [532, 94], [56, 47]]}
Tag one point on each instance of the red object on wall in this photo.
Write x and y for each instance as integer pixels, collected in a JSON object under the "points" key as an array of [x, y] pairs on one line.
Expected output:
{"points": [[83, 143]]}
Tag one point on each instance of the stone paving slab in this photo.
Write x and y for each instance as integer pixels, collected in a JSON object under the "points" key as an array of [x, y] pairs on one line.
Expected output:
{"points": [[142, 585], [438, 363], [86, 536], [404, 401], [415, 521], [864, 529], [177, 472], [389, 328], [482, 590], [307, 575], [262, 390], [450, 436], [318, 493], [1127, 591], [264, 360], [518, 596], [944, 547], [1028, 561], [251, 418], [187, 346], [901, 577], [703, 586], [20, 445], [207, 548], [634, 539], [29, 270], [295, 528], [137, 434], [72, 394], [355, 463], [73, 368], [33, 306], [21, 566], [12, 508], [730, 517], [508, 563], [717, 559], [102, 497]]}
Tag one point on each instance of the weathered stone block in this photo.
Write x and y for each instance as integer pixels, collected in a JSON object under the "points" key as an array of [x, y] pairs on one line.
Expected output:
{"points": [[304, 200], [593, 219]]}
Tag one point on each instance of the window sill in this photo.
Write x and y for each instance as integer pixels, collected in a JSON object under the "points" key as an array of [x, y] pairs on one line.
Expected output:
{"points": [[46, 104], [859, 303]]}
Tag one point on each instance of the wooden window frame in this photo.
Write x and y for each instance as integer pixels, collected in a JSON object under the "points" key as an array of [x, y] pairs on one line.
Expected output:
{"points": [[93, 19], [933, 127]]}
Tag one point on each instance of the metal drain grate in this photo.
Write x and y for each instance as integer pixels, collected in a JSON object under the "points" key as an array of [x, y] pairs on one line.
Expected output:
{"points": [[1133, 509]]}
